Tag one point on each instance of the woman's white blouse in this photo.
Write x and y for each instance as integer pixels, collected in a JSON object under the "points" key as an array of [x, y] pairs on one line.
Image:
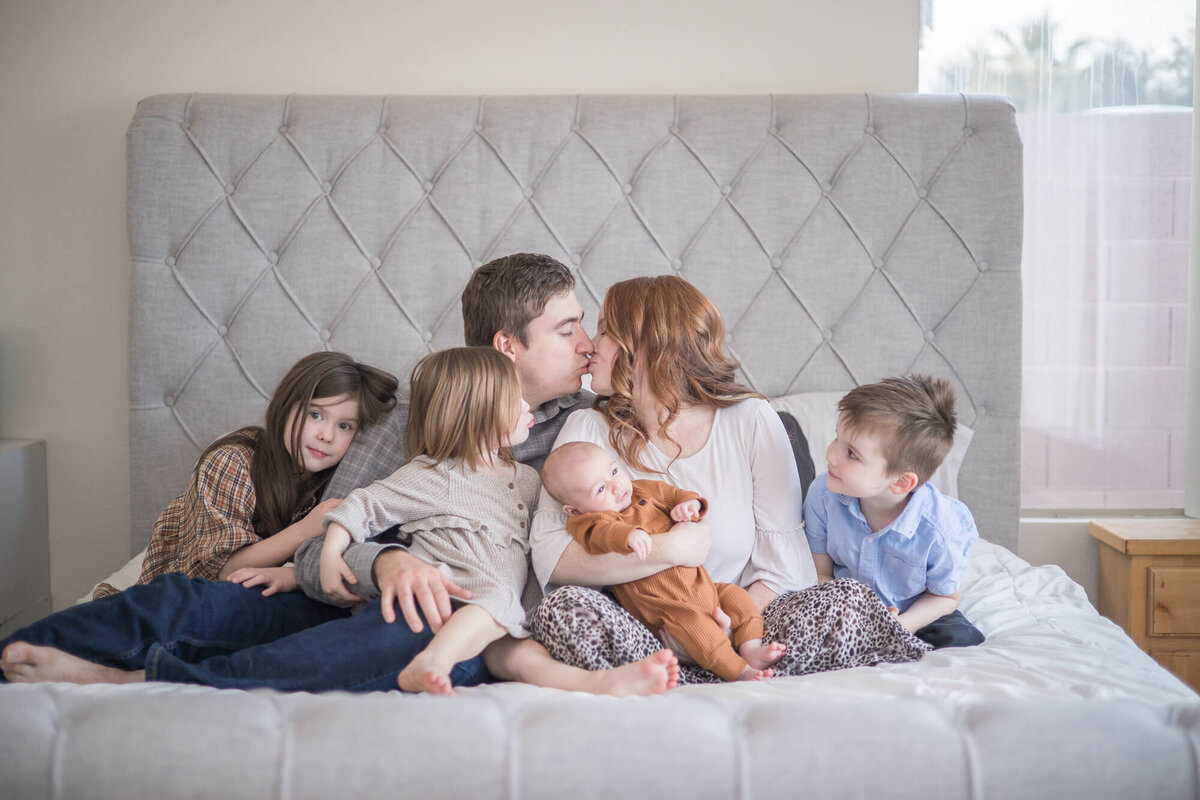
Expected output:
{"points": [[747, 473]]}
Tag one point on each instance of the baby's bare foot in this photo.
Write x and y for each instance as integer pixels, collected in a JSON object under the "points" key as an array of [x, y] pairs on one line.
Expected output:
{"points": [[27, 663], [652, 675], [423, 674], [753, 674], [760, 655]]}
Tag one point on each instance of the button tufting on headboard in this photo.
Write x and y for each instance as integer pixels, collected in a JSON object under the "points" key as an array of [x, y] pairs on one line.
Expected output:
{"points": [[291, 224]]}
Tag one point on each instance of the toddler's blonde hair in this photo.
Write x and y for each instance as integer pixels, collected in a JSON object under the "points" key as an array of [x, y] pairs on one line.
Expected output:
{"points": [[463, 404]]}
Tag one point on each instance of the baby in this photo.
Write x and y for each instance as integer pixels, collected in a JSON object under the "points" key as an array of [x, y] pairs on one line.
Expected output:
{"points": [[609, 513]]}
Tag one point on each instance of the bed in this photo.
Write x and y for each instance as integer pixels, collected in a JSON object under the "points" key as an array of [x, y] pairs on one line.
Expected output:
{"points": [[845, 238]]}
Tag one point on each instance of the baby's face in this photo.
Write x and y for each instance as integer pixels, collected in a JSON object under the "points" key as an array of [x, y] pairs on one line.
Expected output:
{"points": [[599, 484]]}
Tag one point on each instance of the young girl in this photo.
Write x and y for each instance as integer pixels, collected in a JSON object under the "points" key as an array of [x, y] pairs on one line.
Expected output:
{"points": [[252, 499], [463, 499]]}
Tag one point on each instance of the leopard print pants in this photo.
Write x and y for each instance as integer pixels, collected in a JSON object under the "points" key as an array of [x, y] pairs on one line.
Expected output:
{"points": [[834, 625]]}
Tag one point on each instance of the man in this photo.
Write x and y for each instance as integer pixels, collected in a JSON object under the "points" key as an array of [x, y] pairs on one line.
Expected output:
{"points": [[524, 305]]}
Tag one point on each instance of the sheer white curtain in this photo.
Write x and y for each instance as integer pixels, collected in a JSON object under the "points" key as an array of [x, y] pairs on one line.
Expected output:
{"points": [[1103, 92]]}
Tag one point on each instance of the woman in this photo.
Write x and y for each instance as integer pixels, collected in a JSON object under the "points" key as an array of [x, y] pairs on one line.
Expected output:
{"points": [[671, 409]]}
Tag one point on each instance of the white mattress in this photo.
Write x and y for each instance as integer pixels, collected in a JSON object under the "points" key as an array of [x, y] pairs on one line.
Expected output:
{"points": [[1054, 677]]}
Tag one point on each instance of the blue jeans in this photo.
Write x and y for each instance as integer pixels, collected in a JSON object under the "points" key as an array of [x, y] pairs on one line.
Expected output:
{"points": [[189, 630]]}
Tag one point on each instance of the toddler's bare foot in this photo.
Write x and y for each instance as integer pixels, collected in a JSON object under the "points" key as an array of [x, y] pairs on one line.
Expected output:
{"points": [[654, 674], [760, 655], [753, 674], [424, 674], [27, 663]]}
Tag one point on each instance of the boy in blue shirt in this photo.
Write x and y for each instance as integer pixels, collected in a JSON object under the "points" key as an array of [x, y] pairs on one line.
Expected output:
{"points": [[874, 517]]}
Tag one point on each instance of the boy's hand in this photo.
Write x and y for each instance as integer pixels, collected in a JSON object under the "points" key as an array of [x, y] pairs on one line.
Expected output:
{"points": [[275, 579], [335, 574], [686, 512], [639, 542]]}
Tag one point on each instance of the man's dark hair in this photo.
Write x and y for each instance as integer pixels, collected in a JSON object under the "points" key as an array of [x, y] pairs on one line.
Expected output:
{"points": [[507, 293]]}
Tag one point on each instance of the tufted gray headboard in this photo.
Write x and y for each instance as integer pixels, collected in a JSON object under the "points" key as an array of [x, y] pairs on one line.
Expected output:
{"points": [[845, 238]]}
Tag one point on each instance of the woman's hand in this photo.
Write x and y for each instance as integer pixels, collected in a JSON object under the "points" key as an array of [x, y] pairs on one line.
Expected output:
{"points": [[274, 579], [687, 544], [761, 595], [405, 579], [723, 622]]}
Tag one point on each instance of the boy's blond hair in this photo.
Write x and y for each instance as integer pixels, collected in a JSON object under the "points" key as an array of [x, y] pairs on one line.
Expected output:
{"points": [[913, 416], [462, 400]]}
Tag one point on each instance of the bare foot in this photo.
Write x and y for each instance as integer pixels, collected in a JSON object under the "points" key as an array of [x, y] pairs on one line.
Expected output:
{"points": [[27, 663], [424, 674], [752, 674], [760, 655], [654, 674]]}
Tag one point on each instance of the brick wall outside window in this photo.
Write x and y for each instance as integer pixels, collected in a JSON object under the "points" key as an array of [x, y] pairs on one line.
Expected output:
{"points": [[1105, 269]]}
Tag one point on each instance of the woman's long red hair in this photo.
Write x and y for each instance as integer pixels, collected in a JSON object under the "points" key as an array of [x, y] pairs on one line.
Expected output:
{"points": [[677, 336]]}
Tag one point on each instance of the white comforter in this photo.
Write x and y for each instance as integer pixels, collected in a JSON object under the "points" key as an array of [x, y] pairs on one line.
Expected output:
{"points": [[1057, 702], [1044, 639]]}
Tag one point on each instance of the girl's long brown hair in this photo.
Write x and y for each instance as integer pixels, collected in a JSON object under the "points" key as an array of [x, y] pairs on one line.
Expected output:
{"points": [[676, 333], [281, 489], [463, 403]]}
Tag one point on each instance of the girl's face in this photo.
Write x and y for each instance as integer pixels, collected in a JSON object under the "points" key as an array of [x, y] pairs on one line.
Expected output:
{"points": [[604, 350], [326, 431], [520, 428]]}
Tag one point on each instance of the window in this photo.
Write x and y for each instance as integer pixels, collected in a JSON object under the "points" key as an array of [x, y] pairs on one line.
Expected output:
{"points": [[1103, 91]]}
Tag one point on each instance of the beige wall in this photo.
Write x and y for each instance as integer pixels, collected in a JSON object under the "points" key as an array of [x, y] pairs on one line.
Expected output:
{"points": [[71, 72]]}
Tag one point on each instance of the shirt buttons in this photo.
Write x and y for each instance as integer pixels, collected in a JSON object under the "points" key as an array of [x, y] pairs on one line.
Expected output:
{"points": [[520, 506], [522, 524], [512, 486]]}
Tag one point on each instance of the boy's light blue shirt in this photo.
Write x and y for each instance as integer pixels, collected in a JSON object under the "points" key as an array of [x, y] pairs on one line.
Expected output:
{"points": [[925, 548]]}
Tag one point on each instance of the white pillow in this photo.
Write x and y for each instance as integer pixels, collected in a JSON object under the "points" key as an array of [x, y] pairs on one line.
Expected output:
{"points": [[123, 578], [817, 414]]}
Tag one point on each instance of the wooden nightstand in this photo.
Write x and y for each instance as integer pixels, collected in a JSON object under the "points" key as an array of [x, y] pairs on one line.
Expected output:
{"points": [[1150, 586]]}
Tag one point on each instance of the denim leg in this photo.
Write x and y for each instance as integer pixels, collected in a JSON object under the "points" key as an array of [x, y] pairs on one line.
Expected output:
{"points": [[359, 653], [189, 617]]}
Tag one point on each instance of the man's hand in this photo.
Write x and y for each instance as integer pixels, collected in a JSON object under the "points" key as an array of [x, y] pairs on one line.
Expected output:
{"points": [[639, 542], [405, 579]]}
